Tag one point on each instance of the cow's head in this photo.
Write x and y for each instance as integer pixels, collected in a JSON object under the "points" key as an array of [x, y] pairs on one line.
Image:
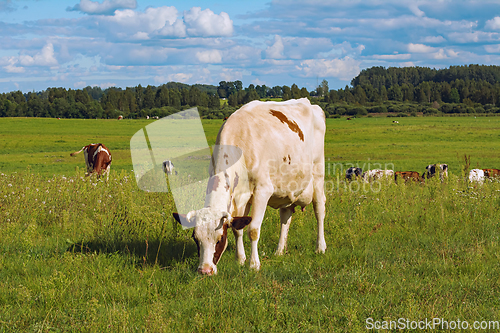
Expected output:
{"points": [[210, 234]]}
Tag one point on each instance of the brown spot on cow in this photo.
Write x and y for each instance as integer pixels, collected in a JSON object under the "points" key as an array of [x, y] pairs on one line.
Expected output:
{"points": [[253, 234], [292, 125], [228, 182], [289, 159], [213, 183], [221, 245], [236, 180]]}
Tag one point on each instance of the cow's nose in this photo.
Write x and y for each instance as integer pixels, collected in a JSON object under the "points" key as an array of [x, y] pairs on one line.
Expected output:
{"points": [[206, 270]]}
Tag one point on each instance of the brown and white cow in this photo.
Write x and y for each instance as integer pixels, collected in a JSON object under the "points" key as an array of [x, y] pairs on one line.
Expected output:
{"points": [[280, 164], [408, 176], [433, 169], [491, 173], [97, 159]]}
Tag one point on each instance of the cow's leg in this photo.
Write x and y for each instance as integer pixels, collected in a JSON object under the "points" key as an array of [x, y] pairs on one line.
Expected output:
{"points": [[259, 204], [319, 201], [286, 219], [238, 235], [99, 165], [106, 171]]}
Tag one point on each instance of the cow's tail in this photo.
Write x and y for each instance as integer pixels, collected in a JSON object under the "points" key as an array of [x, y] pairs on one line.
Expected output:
{"points": [[77, 152]]}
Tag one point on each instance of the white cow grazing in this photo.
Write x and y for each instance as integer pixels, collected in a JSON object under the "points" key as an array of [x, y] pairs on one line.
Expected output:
{"points": [[376, 174], [476, 175], [280, 163]]}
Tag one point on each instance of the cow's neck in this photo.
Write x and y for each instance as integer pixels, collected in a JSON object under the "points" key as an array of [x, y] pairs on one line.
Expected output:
{"points": [[219, 192]]}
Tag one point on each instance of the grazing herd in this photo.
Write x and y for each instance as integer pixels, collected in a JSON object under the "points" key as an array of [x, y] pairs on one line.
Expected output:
{"points": [[475, 175]]}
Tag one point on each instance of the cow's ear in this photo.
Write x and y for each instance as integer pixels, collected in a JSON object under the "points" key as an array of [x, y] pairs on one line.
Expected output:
{"points": [[239, 223]]}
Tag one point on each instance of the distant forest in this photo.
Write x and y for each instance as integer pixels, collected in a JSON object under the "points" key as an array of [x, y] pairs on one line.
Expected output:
{"points": [[407, 91]]}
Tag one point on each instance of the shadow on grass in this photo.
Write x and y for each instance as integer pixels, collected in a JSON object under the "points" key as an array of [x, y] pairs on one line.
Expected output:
{"points": [[165, 252]]}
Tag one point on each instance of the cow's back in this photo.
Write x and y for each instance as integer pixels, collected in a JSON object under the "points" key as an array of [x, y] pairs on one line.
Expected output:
{"points": [[282, 145]]}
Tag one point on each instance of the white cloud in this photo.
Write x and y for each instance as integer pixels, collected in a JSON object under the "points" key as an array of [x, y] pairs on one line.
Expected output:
{"points": [[209, 57], [44, 58], [258, 82], [440, 54], [402, 56], [415, 10], [80, 84], [492, 48], [434, 39], [165, 22], [106, 85], [176, 29], [107, 7], [493, 24], [419, 48], [407, 64], [130, 22], [11, 67], [231, 75], [474, 37], [179, 77], [205, 23], [275, 51], [242, 53], [344, 69]]}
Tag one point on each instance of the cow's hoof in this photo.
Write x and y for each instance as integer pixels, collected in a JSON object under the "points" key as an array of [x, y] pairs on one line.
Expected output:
{"points": [[279, 252], [255, 266], [321, 248], [241, 260]]}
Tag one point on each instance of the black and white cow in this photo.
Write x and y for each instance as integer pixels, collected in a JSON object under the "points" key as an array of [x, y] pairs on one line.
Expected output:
{"points": [[168, 167], [352, 173], [433, 169]]}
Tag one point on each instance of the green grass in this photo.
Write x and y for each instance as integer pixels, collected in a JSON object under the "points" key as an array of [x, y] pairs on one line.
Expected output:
{"points": [[80, 255], [45, 144]]}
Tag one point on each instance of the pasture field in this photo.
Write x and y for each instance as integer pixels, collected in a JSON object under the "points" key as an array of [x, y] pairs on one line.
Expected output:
{"points": [[80, 255]]}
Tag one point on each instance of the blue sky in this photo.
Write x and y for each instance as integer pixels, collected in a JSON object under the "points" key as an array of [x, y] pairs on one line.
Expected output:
{"points": [[79, 43]]}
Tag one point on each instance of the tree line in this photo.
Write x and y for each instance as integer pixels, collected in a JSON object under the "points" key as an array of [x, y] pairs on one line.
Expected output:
{"points": [[408, 90], [140, 102], [412, 90]]}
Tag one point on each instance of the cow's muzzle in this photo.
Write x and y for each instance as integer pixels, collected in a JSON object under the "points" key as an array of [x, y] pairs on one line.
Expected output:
{"points": [[207, 270]]}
